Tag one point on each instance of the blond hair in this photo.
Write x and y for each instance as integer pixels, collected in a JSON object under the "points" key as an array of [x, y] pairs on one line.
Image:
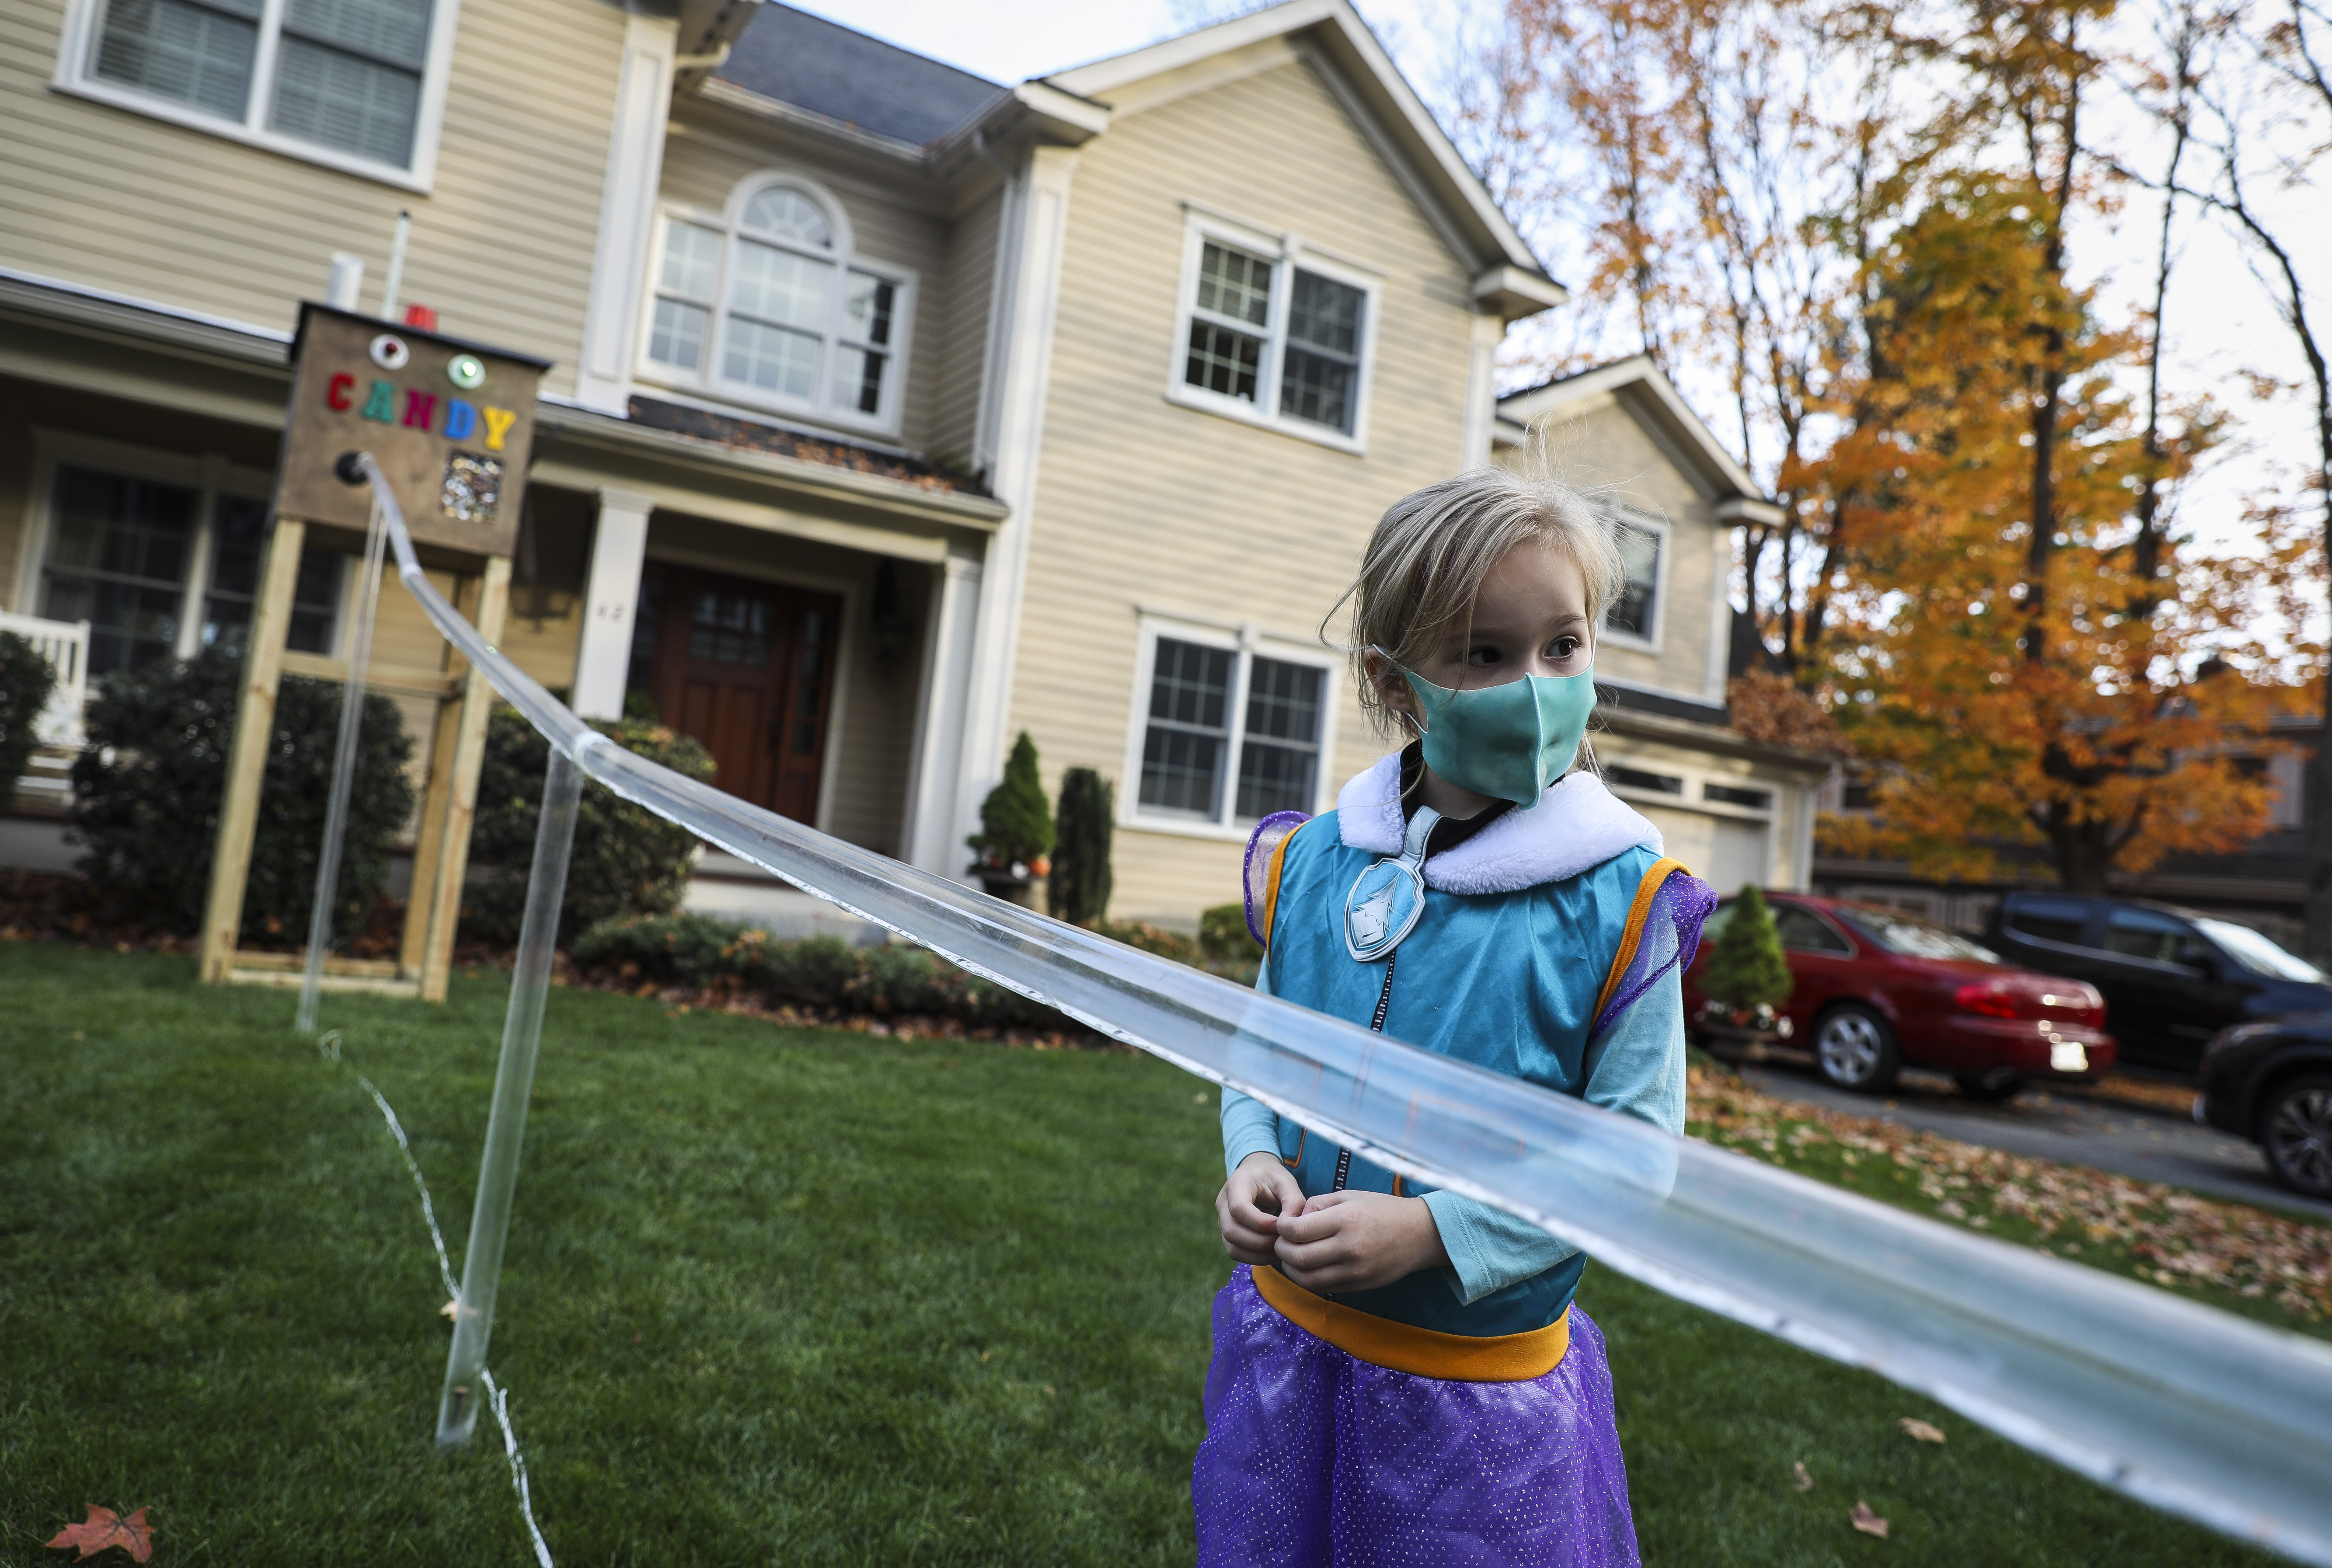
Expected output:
{"points": [[1434, 548]]}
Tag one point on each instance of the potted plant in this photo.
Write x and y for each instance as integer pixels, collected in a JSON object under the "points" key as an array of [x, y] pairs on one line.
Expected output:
{"points": [[1748, 979], [1016, 830]]}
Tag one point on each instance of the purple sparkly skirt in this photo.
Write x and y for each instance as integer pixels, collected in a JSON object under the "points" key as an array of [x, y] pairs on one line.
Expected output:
{"points": [[1316, 1459]]}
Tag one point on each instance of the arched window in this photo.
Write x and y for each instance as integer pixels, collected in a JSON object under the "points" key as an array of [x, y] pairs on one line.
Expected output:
{"points": [[771, 307]]}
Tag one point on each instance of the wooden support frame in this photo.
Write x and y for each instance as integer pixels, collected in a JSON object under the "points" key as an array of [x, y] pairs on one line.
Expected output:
{"points": [[464, 701]]}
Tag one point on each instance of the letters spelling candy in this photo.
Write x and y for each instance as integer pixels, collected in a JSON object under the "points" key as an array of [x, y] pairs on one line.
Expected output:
{"points": [[463, 418]]}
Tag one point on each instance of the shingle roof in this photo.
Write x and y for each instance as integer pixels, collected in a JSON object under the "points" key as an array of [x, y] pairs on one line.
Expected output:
{"points": [[826, 69]]}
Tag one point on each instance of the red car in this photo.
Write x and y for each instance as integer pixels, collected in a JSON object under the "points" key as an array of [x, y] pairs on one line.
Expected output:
{"points": [[1878, 990]]}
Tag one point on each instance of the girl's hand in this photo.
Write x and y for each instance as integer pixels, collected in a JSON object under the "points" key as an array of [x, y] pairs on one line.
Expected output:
{"points": [[1248, 1207], [1357, 1241]]}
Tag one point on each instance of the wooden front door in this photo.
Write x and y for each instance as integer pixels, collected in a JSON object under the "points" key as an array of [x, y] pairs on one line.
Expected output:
{"points": [[747, 668]]}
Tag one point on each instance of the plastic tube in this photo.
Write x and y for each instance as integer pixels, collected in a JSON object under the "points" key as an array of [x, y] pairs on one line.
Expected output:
{"points": [[2191, 1409], [481, 1265], [344, 761]]}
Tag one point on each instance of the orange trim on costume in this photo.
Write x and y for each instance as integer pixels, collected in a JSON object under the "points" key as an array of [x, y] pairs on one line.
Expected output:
{"points": [[1426, 1352], [1277, 863], [1296, 1162], [1632, 937]]}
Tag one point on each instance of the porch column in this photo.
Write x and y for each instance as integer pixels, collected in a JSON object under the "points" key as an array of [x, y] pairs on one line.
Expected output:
{"points": [[603, 654], [929, 835]]}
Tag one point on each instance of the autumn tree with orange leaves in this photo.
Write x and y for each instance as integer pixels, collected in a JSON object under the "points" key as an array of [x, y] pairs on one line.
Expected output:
{"points": [[1980, 574]]}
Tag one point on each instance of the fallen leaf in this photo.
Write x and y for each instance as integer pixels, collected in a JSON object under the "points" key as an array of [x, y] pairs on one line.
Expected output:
{"points": [[104, 1528], [1914, 1427], [452, 1311], [985, 1353], [1805, 1482], [1868, 1523]]}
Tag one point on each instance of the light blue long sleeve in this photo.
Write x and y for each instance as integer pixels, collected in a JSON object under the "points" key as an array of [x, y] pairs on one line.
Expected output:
{"points": [[1637, 1067], [1249, 1126]]}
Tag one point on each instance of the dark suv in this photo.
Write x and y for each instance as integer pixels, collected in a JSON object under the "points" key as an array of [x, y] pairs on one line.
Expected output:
{"points": [[2171, 979], [2272, 1083]]}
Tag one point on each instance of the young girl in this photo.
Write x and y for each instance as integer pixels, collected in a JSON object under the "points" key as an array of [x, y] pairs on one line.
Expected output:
{"points": [[1400, 1374]]}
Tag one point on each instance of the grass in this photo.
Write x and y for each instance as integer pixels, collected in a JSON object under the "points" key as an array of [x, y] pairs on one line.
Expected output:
{"points": [[772, 1295]]}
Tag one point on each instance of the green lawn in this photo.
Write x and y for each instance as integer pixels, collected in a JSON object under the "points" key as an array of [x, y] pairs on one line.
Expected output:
{"points": [[772, 1296]]}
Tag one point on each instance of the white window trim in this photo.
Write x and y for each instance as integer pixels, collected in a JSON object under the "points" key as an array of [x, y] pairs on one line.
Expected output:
{"points": [[73, 75], [1285, 251], [1247, 642], [1627, 516], [209, 473], [707, 385]]}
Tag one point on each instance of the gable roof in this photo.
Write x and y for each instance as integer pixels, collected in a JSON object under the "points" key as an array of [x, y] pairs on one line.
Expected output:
{"points": [[1509, 274], [828, 69], [1640, 387]]}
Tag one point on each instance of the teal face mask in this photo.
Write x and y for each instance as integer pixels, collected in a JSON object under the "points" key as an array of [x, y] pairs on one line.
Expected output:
{"points": [[1507, 741]]}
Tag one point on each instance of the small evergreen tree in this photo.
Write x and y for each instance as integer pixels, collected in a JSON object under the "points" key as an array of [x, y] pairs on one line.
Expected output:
{"points": [[1748, 971], [27, 681], [1078, 888], [1015, 825]]}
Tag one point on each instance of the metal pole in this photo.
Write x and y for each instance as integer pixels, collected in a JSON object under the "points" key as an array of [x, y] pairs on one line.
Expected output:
{"points": [[344, 760], [482, 1267]]}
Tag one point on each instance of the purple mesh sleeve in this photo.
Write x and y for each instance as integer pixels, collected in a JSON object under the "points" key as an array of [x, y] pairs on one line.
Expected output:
{"points": [[1267, 836], [1671, 936]]}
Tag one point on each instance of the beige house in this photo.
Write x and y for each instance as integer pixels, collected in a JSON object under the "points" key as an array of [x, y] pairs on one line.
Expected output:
{"points": [[893, 412]]}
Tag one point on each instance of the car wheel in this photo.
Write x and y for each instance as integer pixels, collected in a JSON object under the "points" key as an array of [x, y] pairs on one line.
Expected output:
{"points": [[1855, 1048], [1997, 1084], [2296, 1134]]}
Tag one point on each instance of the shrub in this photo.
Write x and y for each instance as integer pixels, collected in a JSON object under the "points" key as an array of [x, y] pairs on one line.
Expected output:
{"points": [[1078, 890], [1223, 935], [824, 973], [146, 796], [1016, 825], [627, 860], [1748, 971], [27, 681]]}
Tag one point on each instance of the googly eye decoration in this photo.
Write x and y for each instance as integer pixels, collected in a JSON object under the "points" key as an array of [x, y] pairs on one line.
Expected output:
{"points": [[465, 371], [389, 352]]}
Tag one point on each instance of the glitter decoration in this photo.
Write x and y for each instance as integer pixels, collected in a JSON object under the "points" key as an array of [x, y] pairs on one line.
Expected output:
{"points": [[465, 371], [473, 487], [389, 352]]}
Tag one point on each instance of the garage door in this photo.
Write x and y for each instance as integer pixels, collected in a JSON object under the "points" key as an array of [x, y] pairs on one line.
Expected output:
{"points": [[1722, 851]]}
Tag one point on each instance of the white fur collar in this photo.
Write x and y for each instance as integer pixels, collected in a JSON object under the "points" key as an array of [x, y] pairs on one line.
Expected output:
{"points": [[1577, 824]]}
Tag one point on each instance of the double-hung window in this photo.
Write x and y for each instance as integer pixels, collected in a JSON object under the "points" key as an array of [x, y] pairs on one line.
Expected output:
{"points": [[355, 83], [1228, 735], [162, 570], [770, 307], [1274, 336], [1633, 616]]}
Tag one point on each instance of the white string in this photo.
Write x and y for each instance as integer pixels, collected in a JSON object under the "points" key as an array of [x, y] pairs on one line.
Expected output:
{"points": [[497, 1397]]}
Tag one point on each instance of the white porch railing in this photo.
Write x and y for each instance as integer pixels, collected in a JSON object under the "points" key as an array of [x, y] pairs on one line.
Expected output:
{"points": [[65, 644]]}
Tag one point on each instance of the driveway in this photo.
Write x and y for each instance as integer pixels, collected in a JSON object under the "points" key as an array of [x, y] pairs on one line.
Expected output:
{"points": [[2075, 1129]]}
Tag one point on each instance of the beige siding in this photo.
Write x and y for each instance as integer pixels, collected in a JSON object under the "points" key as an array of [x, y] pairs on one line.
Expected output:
{"points": [[502, 246], [958, 351], [873, 745], [1601, 447], [1142, 501], [705, 156]]}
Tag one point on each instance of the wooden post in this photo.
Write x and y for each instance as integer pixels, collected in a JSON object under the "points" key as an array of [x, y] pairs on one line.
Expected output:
{"points": [[246, 766], [421, 897], [452, 858]]}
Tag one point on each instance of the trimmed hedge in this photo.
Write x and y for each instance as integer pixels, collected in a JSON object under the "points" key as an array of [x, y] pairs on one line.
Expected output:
{"points": [[146, 796], [627, 862], [27, 681], [824, 973]]}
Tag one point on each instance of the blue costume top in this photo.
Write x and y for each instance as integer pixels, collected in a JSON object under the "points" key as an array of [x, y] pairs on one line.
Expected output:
{"points": [[1550, 946]]}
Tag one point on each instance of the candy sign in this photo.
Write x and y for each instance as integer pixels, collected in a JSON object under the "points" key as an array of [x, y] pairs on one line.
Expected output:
{"points": [[448, 422]]}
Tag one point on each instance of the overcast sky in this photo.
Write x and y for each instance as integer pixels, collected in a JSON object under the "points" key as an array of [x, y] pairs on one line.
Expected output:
{"points": [[2219, 321]]}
